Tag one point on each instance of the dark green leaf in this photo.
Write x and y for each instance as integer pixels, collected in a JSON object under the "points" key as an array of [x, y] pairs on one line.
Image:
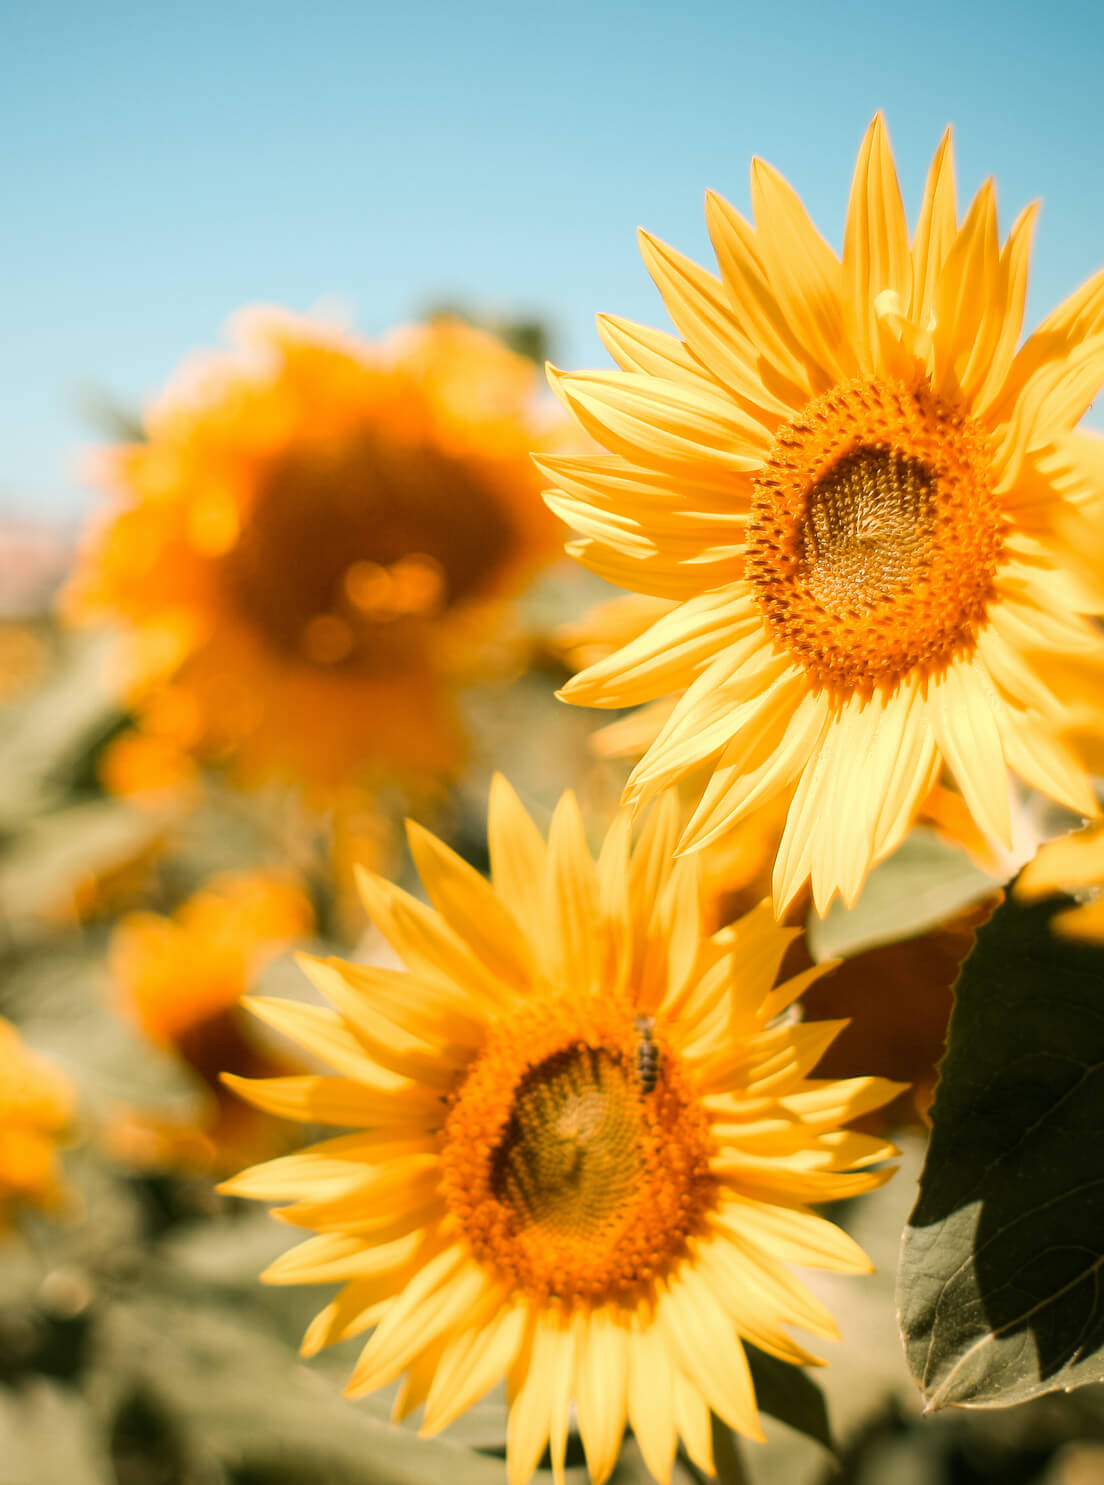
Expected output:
{"points": [[789, 1394], [999, 1288], [728, 1459]]}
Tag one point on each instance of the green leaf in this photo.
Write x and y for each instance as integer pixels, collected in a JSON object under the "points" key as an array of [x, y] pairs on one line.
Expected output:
{"points": [[55, 855], [43, 740], [223, 1378], [62, 1003], [999, 1289], [49, 1432], [923, 883]]}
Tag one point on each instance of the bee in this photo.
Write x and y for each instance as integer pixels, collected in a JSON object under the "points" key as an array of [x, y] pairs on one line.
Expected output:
{"points": [[647, 1053]]}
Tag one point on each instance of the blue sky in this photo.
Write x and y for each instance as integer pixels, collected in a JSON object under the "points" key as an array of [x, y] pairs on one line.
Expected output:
{"points": [[162, 165]]}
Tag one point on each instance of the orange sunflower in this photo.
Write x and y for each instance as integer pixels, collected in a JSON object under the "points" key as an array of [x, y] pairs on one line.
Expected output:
{"points": [[586, 1144], [864, 504], [36, 1104], [315, 542], [180, 979]]}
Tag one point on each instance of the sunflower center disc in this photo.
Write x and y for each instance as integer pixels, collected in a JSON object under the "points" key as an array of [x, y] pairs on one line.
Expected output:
{"points": [[350, 544], [571, 1159], [868, 527], [875, 536], [566, 1175]]}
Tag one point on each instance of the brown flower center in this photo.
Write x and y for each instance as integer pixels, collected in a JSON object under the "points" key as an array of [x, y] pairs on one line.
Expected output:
{"points": [[875, 536], [572, 1169], [352, 546]]}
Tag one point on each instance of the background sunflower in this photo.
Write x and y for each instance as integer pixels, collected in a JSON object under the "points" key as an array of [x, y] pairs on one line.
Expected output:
{"points": [[313, 526]]}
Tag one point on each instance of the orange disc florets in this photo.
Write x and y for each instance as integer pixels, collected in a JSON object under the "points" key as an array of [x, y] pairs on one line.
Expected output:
{"points": [[875, 536], [576, 1158]]}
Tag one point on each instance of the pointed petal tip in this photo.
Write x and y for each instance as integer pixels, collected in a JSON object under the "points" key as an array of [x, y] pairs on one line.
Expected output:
{"points": [[416, 832], [306, 962]]}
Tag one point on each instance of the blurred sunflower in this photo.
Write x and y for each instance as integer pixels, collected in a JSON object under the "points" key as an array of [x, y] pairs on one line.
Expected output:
{"points": [[1072, 863], [586, 1144], [36, 1103], [315, 542], [23, 658], [147, 768], [864, 505], [179, 979]]}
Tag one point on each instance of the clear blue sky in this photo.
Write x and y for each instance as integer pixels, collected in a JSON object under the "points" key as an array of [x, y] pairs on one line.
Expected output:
{"points": [[161, 165]]}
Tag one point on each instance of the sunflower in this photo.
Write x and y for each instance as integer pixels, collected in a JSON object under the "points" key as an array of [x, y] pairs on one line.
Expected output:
{"points": [[586, 1144], [36, 1103], [315, 542], [864, 504], [180, 979]]}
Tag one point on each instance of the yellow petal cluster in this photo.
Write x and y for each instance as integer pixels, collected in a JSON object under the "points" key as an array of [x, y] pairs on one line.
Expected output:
{"points": [[174, 974], [180, 978], [586, 1143], [36, 1102], [314, 544], [863, 503], [1072, 863]]}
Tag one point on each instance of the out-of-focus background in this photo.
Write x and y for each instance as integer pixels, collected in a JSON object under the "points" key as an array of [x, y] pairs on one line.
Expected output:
{"points": [[479, 170]]}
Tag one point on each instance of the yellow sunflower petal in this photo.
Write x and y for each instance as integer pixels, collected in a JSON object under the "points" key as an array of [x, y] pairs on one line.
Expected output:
{"points": [[469, 905], [875, 241], [315, 1099], [572, 952], [472, 1362], [667, 423], [794, 1236], [709, 1352], [808, 278], [962, 708], [602, 1396], [640, 348], [935, 231], [517, 852], [697, 303]]}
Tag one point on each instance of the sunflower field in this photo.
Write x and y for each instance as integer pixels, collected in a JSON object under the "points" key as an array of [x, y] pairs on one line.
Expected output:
{"points": [[552, 920]]}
